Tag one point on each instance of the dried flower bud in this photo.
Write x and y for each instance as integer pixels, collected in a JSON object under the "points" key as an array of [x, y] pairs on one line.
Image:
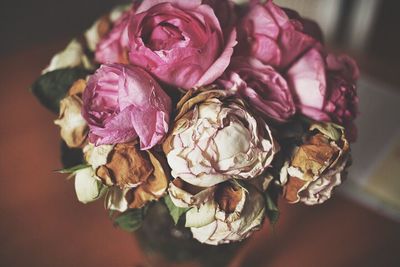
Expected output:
{"points": [[224, 213], [316, 166], [135, 176], [74, 128]]}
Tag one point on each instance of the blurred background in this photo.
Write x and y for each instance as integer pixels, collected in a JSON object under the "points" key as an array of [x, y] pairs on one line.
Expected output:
{"points": [[42, 224]]}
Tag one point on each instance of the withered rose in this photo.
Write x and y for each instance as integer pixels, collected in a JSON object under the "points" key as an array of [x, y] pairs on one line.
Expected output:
{"points": [[316, 166], [135, 176], [74, 129], [224, 213], [216, 138]]}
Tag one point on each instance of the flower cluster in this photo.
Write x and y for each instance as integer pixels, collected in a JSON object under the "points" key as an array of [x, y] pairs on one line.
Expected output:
{"points": [[209, 105]]}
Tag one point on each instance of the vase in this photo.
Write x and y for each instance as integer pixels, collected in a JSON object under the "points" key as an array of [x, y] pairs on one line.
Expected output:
{"points": [[167, 244]]}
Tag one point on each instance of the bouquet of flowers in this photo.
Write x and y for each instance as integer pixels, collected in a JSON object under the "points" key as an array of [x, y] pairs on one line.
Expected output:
{"points": [[213, 108]]}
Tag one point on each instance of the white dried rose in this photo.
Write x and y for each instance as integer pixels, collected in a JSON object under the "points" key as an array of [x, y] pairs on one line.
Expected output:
{"points": [[72, 56], [216, 138], [88, 187], [224, 213], [317, 166], [73, 126]]}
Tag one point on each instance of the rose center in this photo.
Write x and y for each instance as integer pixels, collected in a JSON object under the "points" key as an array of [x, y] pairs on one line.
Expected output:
{"points": [[164, 36]]}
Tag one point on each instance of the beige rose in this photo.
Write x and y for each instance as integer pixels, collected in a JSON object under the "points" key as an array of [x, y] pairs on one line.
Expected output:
{"points": [[74, 128], [316, 166], [223, 213], [216, 138], [88, 187]]}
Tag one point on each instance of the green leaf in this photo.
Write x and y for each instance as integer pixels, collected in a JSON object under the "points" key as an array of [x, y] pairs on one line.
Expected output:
{"points": [[176, 212], [271, 202], [130, 220], [272, 210], [74, 168], [51, 87]]}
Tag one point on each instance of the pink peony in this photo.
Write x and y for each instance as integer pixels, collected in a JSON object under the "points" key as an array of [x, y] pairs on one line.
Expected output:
{"points": [[324, 88], [113, 48], [267, 33], [263, 87], [180, 42], [122, 103]]}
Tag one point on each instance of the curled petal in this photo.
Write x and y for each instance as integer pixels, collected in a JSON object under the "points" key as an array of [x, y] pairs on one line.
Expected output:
{"points": [[215, 138], [316, 166]]}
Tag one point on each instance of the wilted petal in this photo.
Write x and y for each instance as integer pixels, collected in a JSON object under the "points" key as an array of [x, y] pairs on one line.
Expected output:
{"points": [[151, 189], [126, 166], [72, 56], [115, 199]]}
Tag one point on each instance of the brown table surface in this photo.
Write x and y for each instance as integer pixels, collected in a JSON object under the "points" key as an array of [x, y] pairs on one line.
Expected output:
{"points": [[42, 223]]}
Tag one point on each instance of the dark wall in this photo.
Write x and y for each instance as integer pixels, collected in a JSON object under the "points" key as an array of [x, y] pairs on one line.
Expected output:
{"points": [[385, 35], [36, 21]]}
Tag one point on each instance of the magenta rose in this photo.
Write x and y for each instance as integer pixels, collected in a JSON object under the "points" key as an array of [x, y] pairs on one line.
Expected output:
{"points": [[267, 33], [122, 103], [263, 87], [324, 87], [180, 42]]}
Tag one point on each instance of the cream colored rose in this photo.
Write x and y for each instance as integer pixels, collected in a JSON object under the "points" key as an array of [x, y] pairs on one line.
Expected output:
{"points": [[72, 56], [88, 187], [317, 166], [135, 177], [223, 213], [215, 138], [73, 127]]}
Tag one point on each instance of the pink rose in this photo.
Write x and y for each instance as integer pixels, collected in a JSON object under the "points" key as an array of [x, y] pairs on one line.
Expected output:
{"points": [[180, 42], [263, 87], [268, 34], [113, 48], [121, 103], [324, 88]]}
